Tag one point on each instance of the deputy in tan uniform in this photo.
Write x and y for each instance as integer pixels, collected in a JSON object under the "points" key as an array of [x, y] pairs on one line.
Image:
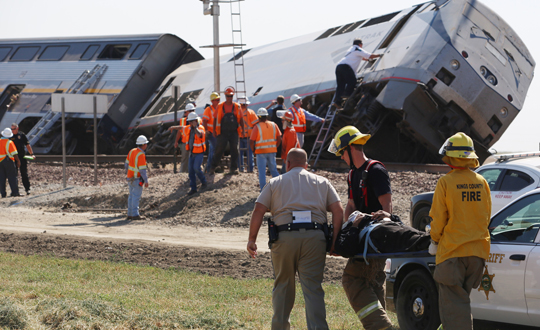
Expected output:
{"points": [[459, 231], [299, 201]]}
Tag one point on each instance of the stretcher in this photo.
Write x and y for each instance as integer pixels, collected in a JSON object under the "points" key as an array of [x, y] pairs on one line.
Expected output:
{"points": [[413, 254]]}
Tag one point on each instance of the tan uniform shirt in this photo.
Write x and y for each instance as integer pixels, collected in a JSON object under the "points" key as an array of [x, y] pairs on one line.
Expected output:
{"points": [[298, 190]]}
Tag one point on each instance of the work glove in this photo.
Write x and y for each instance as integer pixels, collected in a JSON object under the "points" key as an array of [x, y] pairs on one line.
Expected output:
{"points": [[433, 248]]}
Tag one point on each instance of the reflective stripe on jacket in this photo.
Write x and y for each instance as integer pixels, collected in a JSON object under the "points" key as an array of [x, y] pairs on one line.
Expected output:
{"points": [[7, 148], [250, 120], [265, 136], [219, 115], [199, 145], [299, 120], [136, 161], [208, 114]]}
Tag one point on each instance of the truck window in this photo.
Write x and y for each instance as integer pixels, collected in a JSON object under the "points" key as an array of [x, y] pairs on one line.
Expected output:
{"points": [[519, 223], [491, 176], [515, 181]]}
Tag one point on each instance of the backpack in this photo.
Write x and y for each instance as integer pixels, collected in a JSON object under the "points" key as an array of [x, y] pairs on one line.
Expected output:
{"points": [[229, 122]]}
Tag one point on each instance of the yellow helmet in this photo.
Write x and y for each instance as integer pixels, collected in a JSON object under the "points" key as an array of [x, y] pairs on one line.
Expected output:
{"points": [[214, 96], [346, 136], [458, 145]]}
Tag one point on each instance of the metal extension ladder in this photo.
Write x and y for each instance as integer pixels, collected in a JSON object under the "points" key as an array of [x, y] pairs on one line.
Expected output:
{"points": [[322, 135], [46, 122], [238, 62], [85, 80]]}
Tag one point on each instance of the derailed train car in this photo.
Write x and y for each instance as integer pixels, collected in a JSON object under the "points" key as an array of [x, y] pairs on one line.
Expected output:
{"points": [[448, 66], [128, 69]]}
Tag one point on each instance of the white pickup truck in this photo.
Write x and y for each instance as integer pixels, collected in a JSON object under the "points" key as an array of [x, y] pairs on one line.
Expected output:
{"points": [[510, 288]]}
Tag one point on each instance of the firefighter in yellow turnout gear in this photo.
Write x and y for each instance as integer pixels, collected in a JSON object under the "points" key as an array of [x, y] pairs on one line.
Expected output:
{"points": [[459, 231]]}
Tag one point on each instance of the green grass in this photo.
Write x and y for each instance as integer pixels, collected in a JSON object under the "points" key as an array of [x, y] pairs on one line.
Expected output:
{"points": [[49, 293]]}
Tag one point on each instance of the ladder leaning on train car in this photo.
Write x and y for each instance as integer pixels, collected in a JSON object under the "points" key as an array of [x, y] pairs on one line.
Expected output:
{"points": [[85, 80]]}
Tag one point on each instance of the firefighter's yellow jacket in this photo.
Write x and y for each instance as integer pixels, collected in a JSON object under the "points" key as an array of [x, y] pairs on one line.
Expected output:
{"points": [[461, 212]]}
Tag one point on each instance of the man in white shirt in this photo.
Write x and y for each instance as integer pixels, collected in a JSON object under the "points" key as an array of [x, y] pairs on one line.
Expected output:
{"points": [[346, 70]]}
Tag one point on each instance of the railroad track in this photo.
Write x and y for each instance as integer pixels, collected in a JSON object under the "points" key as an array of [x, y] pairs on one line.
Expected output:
{"points": [[322, 164]]}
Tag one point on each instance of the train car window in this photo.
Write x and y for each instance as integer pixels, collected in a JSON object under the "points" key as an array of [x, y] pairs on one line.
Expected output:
{"points": [[139, 52], [185, 97], [327, 33], [10, 98], [4, 51], [238, 55], [53, 53], [89, 52], [381, 19], [25, 53], [114, 52]]}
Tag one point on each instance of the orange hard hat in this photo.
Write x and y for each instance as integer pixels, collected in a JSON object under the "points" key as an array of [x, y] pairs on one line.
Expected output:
{"points": [[229, 91], [288, 116]]}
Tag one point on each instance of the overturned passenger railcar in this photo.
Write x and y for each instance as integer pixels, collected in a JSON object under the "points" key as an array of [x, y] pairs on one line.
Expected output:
{"points": [[127, 69], [448, 66]]}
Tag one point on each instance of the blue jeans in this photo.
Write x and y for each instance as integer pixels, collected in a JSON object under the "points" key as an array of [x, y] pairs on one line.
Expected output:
{"points": [[262, 161], [244, 143], [195, 162], [135, 193], [211, 147]]}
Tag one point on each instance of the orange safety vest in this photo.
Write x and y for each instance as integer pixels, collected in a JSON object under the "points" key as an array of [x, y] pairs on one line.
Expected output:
{"points": [[209, 116], [7, 148], [219, 115], [136, 161], [250, 120], [299, 121], [199, 145], [265, 134]]}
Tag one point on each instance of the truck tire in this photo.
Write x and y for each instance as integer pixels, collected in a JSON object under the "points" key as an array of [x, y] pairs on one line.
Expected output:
{"points": [[417, 304], [421, 218]]}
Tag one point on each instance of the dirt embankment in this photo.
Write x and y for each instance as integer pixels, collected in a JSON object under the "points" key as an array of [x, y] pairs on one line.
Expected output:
{"points": [[205, 232]]}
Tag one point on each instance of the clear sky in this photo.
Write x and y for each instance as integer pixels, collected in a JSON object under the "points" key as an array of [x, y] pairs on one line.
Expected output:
{"points": [[263, 22]]}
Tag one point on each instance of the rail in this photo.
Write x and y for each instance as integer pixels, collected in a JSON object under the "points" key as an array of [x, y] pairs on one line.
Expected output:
{"points": [[322, 163]]}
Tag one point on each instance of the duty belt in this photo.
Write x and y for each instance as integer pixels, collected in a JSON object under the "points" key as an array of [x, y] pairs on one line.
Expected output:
{"points": [[298, 226]]}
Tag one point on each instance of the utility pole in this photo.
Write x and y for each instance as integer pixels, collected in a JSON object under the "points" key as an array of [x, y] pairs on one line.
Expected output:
{"points": [[211, 7], [214, 11]]}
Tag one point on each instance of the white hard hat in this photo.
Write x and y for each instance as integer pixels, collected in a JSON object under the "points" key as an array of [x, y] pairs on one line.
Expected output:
{"points": [[190, 107], [192, 116], [7, 133], [262, 112], [141, 140], [295, 98], [244, 100], [280, 113]]}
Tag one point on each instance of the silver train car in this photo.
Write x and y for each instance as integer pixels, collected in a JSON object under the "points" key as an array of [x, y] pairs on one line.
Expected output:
{"points": [[448, 66], [127, 69]]}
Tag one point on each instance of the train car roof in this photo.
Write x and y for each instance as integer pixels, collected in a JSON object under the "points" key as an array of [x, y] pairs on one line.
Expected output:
{"points": [[154, 36]]}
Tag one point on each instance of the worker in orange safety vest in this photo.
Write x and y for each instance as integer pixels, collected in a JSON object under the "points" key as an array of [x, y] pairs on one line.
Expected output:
{"points": [[8, 160], [195, 141], [300, 116], [228, 124], [265, 139], [208, 124], [250, 120], [290, 139], [178, 140], [135, 167]]}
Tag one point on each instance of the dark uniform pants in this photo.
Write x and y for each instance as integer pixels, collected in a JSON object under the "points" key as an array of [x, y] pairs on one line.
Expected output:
{"points": [[365, 287], [221, 144], [302, 252], [456, 278], [24, 173], [8, 170]]}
